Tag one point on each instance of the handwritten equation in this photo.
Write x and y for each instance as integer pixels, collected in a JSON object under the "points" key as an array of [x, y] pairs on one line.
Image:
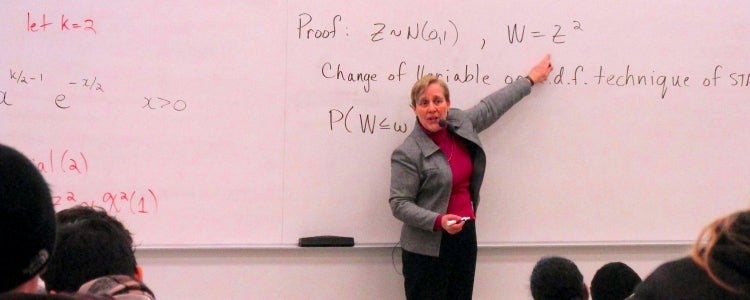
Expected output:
{"points": [[137, 202], [91, 83], [444, 33], [368, 123], [67, 162], [40, 23], [308, 29], [63, 161]]}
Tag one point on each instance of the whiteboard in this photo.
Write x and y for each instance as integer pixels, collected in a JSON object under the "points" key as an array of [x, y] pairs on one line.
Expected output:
{"points": [[259, 122]]}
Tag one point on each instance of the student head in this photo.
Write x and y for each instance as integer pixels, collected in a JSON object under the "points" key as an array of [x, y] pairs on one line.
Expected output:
{"points": [[614, 281], [724, 241], [27, 222], [90, 244], [430, 100], [557, 278]]}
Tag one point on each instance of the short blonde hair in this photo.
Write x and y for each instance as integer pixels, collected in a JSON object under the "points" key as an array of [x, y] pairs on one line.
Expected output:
{"points": [[423, 83]]}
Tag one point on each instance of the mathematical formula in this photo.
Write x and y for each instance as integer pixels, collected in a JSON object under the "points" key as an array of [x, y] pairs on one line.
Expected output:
{"points": [[40, 23], [61, 99], [368, 123], [137, 202], [63, 161], [68, 162], [444, 33]]}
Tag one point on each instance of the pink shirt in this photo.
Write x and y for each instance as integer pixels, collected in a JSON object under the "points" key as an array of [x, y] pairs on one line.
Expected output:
{"points": [[458, 156]]}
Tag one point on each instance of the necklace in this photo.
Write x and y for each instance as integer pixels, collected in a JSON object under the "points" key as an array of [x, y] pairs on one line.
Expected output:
{"points": [[453, 148]]}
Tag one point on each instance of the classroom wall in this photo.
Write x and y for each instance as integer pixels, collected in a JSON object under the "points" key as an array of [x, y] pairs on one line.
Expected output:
{"points": [[360, 273], [214, 131], [238, 121]]}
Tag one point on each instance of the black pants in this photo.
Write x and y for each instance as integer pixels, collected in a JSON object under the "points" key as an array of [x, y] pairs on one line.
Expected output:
{"points": [[449, 276]]}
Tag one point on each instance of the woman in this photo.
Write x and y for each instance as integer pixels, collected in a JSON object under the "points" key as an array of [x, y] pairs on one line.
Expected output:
{"points": [[436, 175], [718, 266]]}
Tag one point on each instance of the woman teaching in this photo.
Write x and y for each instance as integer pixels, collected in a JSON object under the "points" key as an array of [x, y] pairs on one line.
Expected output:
{"points": [[436, 175]]}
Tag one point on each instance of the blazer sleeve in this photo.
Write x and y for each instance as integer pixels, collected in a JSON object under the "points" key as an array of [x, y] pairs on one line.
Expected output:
{"points": [[405, 185], [492, 107]]}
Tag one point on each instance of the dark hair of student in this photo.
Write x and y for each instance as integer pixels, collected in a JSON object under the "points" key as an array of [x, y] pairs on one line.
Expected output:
{"points": [[614, 281], [557, 278], [90, 244]]}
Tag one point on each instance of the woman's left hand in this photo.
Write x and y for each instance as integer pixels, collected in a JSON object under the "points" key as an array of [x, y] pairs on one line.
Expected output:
{"points": [[452, 227]]}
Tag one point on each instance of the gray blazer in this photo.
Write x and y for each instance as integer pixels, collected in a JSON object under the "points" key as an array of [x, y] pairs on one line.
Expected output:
{"points": [[421, 178]]}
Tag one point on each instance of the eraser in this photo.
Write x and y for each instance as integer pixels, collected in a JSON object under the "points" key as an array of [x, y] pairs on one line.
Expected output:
{"points": [[326, 241]]}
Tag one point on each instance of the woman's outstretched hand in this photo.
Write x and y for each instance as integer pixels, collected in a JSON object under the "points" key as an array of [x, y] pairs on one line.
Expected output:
{"points": [[540, 72]]}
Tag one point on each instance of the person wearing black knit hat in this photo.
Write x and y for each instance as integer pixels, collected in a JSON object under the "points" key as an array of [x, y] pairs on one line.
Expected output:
{"points": [[27, 223]]}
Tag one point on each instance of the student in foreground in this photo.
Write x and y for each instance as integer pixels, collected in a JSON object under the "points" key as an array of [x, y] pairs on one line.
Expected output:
{"points": [[27, 228], [27, 223], [94, 254], [557, 278], [718, 266], [436, 175]]}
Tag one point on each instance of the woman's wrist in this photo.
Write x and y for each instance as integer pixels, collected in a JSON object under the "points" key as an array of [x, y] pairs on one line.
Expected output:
{"points": [[530, 80]]}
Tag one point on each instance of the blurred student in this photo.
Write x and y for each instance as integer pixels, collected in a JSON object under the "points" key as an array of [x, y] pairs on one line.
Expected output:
{"points": [[95, 255], [718, 266], [614, 281], [27, 223], [557, 278]]}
